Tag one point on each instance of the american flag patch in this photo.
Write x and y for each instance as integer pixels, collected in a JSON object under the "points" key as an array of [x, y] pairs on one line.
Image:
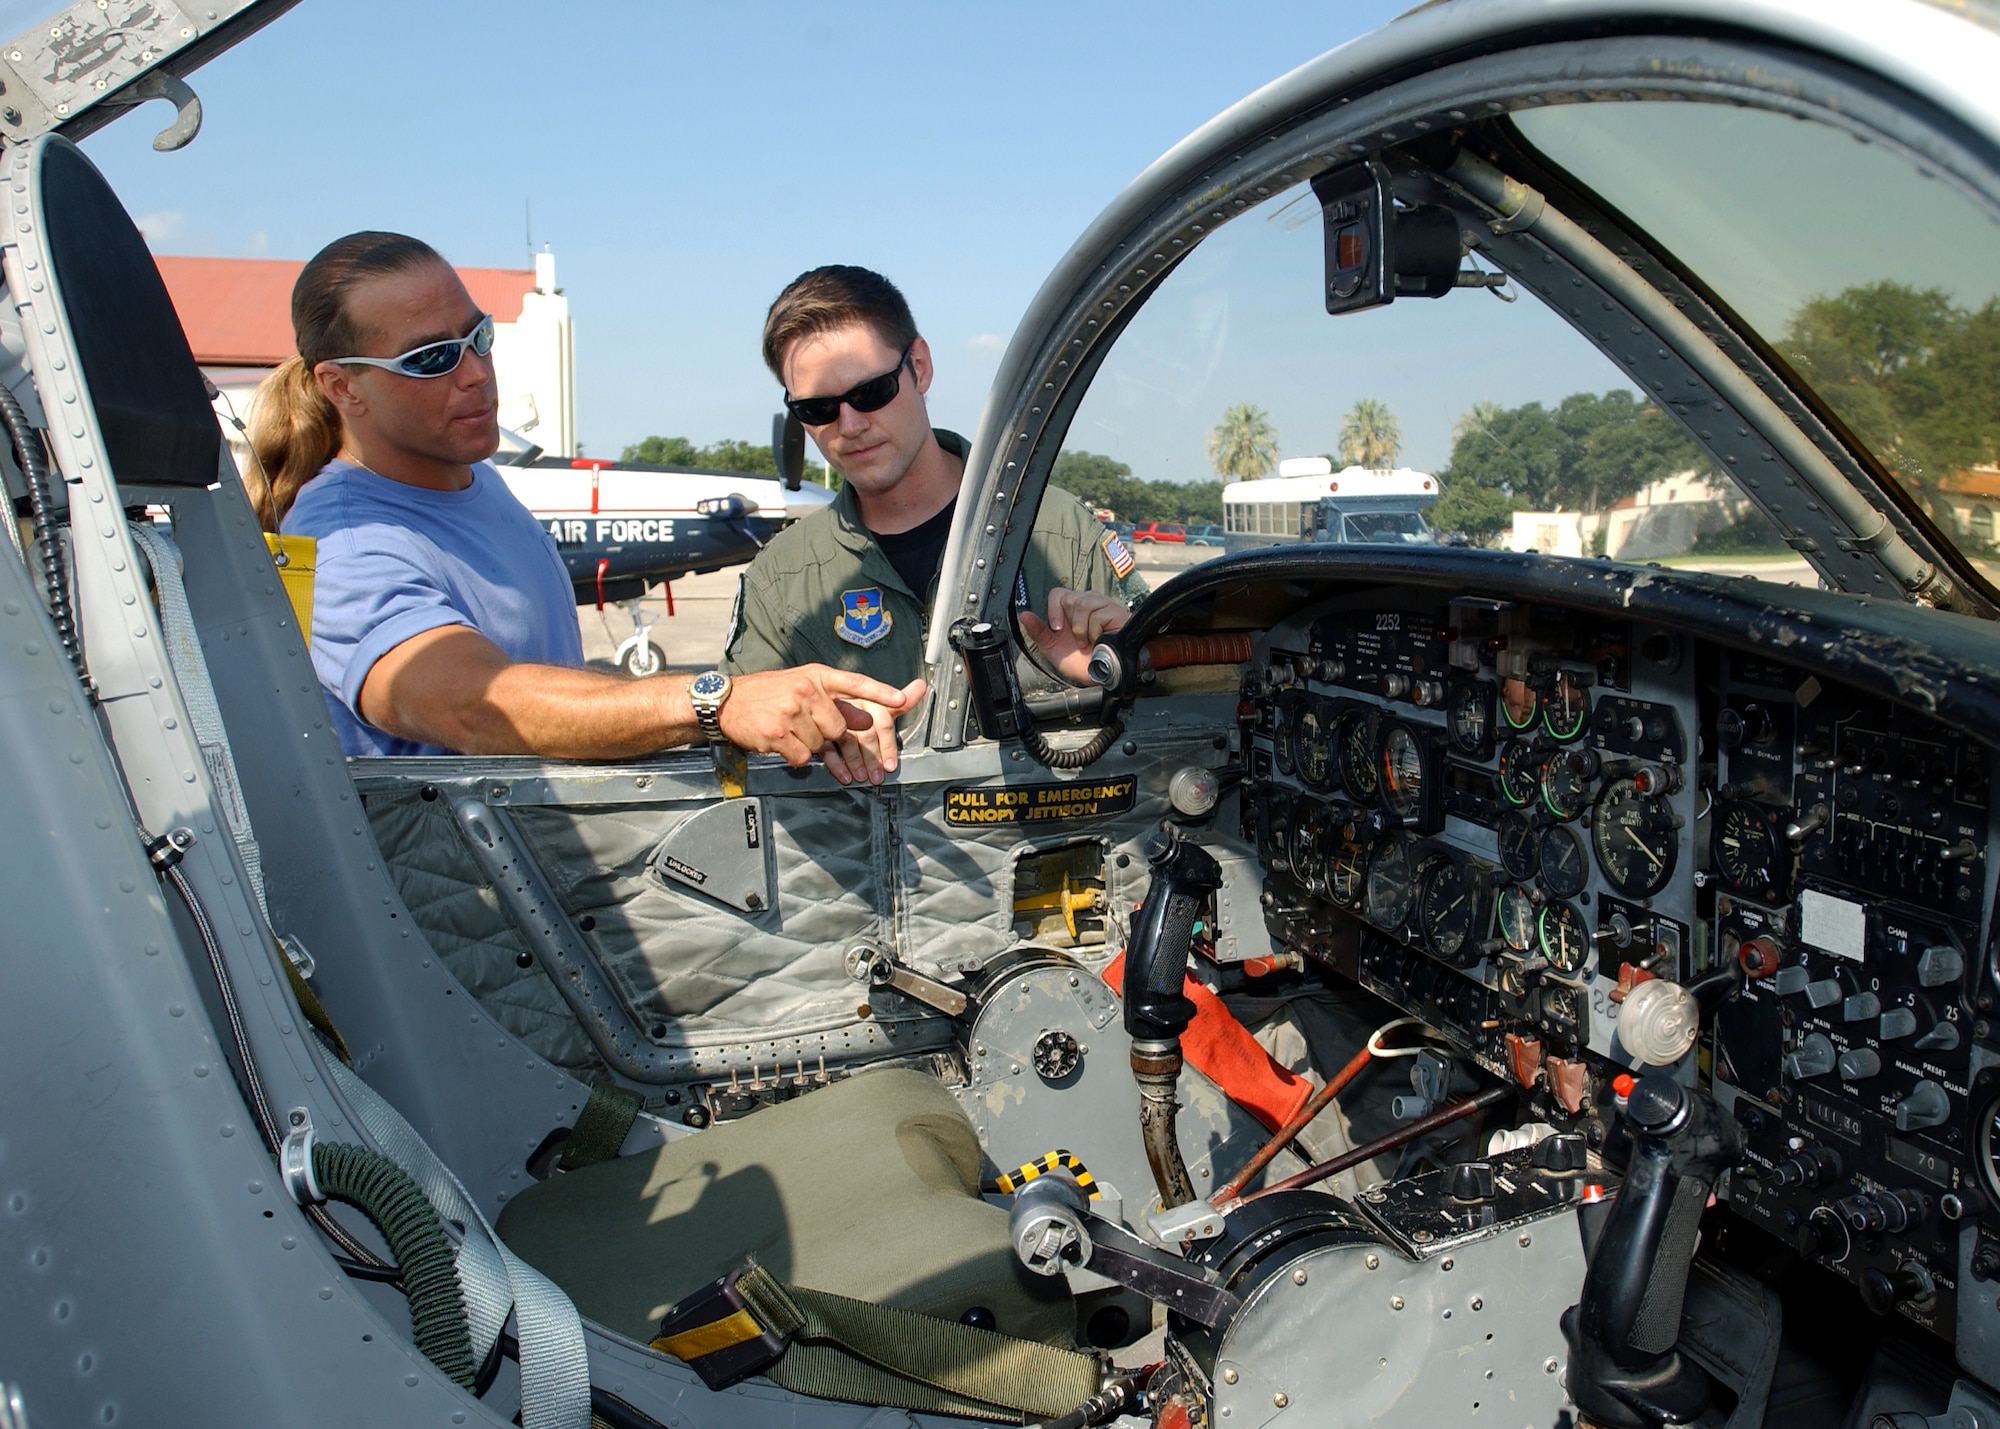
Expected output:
{"points": [[1120, 558]]}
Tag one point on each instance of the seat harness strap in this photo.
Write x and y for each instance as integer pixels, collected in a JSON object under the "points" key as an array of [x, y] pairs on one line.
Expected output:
{"points": [[831, 1347], [600, 1131]]}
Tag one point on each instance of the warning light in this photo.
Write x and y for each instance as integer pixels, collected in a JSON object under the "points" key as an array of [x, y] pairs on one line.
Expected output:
{"points": [[1347, 248]]}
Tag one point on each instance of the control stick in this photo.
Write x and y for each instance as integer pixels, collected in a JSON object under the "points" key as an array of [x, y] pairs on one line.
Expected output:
{"points": [[1156, 1010], [1626, 1371]]}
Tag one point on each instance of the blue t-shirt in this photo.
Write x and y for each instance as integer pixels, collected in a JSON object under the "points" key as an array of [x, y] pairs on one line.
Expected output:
{"points": [[395, 560]]}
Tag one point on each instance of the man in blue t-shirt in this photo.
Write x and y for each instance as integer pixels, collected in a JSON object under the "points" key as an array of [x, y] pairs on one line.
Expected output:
{"points": [[443, 621]]}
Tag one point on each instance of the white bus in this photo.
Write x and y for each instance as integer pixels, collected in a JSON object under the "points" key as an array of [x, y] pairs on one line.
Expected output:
{"points": [[1309, 501]]}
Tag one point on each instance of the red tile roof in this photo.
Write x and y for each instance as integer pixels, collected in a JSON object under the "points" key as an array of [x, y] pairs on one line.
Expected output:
{"points": [[238, 311]]}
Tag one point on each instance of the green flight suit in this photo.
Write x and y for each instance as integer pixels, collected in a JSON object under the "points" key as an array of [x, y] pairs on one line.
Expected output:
{"points": [[822, 591]]}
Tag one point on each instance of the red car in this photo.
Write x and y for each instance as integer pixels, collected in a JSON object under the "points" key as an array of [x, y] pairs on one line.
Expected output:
{"points": [[1167, 533]]}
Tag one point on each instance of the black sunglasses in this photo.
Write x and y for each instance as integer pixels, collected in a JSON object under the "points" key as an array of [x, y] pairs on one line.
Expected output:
{"points": [[870, 396]]}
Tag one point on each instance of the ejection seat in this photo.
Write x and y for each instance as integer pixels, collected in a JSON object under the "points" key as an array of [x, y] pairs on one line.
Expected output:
{"points": [[867, 1189]]}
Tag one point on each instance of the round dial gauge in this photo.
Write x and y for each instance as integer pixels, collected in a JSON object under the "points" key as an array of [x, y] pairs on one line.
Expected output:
{"points": [[1517, 919], [1391, 886], [1559, 1008], [1312, 745], [1471, 717], [1520, 845], [1355, 740], [1986, 1148], [1347, 874], [1566, 708], [1746, 848], [1520, 772], [1444, 908], [1312, 833], [1561, 938], [1519, 704], [1565, 785], [1402, 772], [1565, 866], [1634, 838], [1289, 705]]}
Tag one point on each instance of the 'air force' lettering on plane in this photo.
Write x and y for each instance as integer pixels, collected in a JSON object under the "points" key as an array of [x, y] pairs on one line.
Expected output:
{"points": [[571, 532]]}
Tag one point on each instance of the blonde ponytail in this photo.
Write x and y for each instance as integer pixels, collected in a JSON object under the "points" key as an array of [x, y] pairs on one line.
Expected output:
{"points": [[294, 431]]}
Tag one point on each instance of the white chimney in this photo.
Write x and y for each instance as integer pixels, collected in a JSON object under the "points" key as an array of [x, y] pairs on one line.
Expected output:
{"points": [[545, 271]]}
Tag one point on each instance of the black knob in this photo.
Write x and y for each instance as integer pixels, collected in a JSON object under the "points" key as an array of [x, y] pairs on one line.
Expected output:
{"points": [[1471, 1181], [1561, 1154], [1883, 1290], [1656, 1105], [1862, 1213]]}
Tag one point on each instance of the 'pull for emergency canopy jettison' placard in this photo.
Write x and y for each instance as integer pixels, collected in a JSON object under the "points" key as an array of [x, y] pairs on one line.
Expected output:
{"points": [[1038, 803]]}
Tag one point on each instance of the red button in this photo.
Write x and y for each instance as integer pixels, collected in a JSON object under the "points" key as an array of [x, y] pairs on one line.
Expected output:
{"points": [[1622, 1084]]}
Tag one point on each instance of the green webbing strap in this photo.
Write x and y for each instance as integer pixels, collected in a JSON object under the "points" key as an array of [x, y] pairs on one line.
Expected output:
{"points": [[315, 1012], [875, 1354], [600, 1132]]}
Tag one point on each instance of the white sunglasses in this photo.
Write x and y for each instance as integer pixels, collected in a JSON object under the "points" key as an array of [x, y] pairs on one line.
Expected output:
{"points": [[434, 359]]}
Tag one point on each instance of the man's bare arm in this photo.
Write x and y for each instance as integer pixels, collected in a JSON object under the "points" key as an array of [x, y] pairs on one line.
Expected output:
{"points": [[454, 688]]}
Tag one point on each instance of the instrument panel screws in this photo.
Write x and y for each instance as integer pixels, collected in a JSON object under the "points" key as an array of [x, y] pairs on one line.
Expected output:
{"points": [[1373, 1261], [1549, 1365], [1446, 1263], [1281, 1399], [1525, 1240], [1229, 1375], [1299, 1276], [1477, 1303], [1395, 1302]]}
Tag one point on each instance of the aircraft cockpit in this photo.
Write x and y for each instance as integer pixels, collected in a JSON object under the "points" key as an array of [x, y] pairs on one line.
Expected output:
{"points": [[1533, 963]]}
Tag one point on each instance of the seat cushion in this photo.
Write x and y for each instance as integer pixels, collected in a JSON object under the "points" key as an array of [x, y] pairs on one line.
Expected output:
{"points": [[868, 1188]]}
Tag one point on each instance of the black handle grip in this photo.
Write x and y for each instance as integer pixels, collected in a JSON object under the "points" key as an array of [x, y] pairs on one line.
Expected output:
{"points": [[1625, 1371], [1156, 959]]}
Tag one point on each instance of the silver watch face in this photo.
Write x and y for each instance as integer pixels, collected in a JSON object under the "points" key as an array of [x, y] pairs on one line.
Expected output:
{"points": [[709, 686]]}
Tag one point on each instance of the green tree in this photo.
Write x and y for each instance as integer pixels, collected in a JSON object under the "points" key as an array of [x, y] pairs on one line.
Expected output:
{"points": [[1584, 455], [1243, 445], [1102, 481], [752, 458], [1914, 377], [1370, 436]]}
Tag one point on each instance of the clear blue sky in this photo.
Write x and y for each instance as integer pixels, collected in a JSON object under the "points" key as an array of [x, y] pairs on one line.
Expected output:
{"points": [[685, 161]]}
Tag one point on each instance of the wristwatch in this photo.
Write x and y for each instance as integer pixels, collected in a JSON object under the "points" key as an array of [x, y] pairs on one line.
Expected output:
{"points": [[707, 693]]}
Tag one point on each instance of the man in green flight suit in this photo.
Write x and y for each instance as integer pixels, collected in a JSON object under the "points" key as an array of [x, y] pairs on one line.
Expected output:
{"points": [[852, 585]]}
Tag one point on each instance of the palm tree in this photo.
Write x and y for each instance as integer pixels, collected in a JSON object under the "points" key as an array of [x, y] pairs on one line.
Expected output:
{"points": [[1243, 445], [1369, 435], [1479, 417]]}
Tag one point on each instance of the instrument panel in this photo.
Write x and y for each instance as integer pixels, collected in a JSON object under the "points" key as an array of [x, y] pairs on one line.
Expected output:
{"points": [[1509, 819]]}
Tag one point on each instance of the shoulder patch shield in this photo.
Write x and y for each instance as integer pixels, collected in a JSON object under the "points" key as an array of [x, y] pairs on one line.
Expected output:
{"points": [[1115, 551], [863, 619]]}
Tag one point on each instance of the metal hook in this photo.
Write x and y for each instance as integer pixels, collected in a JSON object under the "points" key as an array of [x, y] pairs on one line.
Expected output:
{"points": [[158, 84]]}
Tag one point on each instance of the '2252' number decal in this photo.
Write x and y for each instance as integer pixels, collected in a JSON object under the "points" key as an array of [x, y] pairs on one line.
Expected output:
{"points": [[1388, 620]]}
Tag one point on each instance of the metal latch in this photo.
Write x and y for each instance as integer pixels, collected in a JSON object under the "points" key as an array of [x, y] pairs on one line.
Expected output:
{"points": [[872, 965], [295, 1160]]}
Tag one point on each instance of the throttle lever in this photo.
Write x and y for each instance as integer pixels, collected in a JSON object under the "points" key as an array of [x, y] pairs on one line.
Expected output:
{"points": [[1156, 1010], [1626, 1371]]}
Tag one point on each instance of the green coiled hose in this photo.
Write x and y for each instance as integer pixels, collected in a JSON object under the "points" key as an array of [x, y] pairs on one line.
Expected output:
{"points": [[384, 1192]]}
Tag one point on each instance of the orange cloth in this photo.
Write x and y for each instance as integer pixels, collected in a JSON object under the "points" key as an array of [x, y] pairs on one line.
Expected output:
{"points": [[1223, 1050]]}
